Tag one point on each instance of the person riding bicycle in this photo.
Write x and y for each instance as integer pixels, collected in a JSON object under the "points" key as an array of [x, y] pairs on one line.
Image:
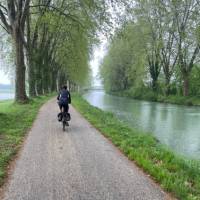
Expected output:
{"points": [[64, 99]]}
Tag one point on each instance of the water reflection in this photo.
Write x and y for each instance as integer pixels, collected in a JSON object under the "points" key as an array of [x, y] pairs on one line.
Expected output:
{"points": [[176, 126]]}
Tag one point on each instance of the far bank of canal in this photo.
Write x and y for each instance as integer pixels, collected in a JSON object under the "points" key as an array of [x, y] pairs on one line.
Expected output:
{"points": [[176, 126]]}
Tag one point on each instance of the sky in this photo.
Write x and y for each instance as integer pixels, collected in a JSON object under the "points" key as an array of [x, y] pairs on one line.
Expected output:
{"points": [[98, 55], [100, 51], [4, 78]]}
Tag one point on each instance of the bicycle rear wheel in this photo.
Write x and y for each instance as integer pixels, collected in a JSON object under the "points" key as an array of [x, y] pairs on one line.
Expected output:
{"points": [[64, 124]]}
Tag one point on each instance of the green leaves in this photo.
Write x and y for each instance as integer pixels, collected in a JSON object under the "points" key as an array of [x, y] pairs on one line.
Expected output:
{"points": [[66, 33], [123, 66], [162, 38]]}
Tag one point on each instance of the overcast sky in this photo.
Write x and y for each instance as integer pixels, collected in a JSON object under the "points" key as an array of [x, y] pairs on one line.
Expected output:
{"points": [[3, 77], [98, 55]]}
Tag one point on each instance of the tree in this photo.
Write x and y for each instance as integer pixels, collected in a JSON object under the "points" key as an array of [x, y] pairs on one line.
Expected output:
{"points": [[13, 17], [169, 35], [187, 21], [123, 66], [148, 13], [45, 30]]}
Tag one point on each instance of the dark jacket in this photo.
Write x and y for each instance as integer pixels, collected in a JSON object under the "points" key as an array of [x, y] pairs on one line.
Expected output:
{"points": [[64, 97]]}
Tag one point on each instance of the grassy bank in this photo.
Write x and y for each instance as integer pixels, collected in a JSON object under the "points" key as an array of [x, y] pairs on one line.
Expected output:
{"points": [[175, 174], [149, 95], [15, 120]]}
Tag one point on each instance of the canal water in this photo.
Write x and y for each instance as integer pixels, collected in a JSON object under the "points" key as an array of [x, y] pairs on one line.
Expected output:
{"points": [[6, 95], [176, 126]]}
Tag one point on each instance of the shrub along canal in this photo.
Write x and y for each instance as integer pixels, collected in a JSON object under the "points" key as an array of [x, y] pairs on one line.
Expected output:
{"points": [[176, 126]]}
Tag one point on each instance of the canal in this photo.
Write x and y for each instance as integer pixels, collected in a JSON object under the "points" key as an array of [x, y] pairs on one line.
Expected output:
{"points": [[176, 126]]}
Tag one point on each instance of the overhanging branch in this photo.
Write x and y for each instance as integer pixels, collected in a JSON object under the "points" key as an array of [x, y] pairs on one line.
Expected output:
{"points": [[4, 21], [3, 28], [62, 13], [25, 11]]}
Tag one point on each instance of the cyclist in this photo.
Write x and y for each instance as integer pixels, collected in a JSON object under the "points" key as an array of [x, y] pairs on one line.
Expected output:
{"points": [[64, 99]]}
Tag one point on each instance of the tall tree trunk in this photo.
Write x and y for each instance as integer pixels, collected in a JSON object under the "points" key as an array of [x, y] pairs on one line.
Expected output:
{"points": [[38, 77], [30, 60], [53, 81], [32, 91], [186, 85], [20, 91], [154, 84], [167, 85], [45, 82], [31, 79], [39, 87], [58, 81]]}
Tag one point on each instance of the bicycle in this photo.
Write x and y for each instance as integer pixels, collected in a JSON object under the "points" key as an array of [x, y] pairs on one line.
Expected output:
{"points": [[65, 119]]}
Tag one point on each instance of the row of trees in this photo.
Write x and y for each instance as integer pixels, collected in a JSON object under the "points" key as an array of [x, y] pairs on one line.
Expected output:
{"points": [[159, 44], [51, 41]]}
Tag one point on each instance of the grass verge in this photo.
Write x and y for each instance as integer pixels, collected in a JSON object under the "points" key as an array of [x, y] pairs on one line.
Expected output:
{"points": [[174, 173], [15, 120], [181, 100], [149, 95]]}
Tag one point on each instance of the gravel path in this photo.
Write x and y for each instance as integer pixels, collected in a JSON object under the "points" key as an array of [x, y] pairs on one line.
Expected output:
{"points": [[79, 164]]}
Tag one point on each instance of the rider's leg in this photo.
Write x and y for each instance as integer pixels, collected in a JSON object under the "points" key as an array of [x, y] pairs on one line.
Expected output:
{"points": [[66, 109], [62, 110]]}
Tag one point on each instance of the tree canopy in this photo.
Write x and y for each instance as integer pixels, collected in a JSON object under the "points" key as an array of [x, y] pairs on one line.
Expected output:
{"points": [[162, 43], [51, 41]]}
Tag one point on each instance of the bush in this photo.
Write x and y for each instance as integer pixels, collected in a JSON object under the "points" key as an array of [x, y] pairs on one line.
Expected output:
{"points": [[141, 92]]}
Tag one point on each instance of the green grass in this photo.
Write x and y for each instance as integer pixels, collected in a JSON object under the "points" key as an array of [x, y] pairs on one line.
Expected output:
{"points": [[149, 95], [15, 120], [175, 174], [181, 100]]}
